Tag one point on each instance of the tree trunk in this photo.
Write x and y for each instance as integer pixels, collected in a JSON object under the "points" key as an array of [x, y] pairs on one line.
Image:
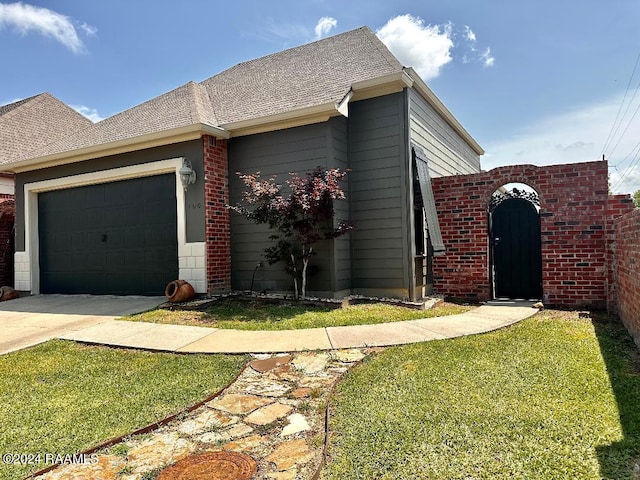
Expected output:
{"points": [[305, 262], [295, 275]]}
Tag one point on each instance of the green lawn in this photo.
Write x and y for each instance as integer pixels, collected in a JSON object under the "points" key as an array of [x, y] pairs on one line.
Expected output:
{"points": [[255, 315], [554, 397], [61, 397]]}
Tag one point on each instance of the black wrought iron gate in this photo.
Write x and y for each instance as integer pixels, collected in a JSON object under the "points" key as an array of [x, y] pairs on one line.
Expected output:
{"points": [[516, 249]]}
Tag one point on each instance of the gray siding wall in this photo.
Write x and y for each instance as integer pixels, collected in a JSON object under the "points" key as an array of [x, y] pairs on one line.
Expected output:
{"points": [[378, 160], [195, 194], [447, 152], [339, 151], [299, 150]]}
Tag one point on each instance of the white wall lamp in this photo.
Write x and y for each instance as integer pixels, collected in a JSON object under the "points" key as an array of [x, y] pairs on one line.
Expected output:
{"points": [[187, 174]]}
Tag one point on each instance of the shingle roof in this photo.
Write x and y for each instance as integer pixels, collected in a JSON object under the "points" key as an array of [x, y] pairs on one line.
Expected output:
{"points": [[186, 105], [305, 76], [31, 124]]}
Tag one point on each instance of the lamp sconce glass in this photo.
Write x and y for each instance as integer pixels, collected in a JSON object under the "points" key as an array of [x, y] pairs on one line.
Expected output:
{"points": [[187, 174]]}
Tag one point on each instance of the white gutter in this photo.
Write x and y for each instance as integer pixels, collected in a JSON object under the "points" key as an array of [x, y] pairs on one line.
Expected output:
{"points": [[291, 118]]}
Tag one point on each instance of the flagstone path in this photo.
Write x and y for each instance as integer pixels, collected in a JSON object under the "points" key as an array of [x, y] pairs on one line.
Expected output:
{"points": [[274, 412]]}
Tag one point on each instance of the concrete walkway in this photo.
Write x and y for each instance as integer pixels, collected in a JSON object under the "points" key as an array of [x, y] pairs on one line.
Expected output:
{"points": [[187, 339], [28, 321]]}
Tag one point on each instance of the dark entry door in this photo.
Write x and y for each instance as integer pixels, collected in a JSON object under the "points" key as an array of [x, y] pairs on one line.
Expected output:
{"points": [[517, 257], [112, 238]]}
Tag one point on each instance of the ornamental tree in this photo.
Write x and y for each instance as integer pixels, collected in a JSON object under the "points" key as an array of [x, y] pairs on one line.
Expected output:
{"points": [[300, 212]]}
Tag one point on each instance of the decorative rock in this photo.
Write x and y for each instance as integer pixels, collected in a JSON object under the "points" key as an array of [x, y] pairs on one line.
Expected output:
{"points": [[268, 414], [204, 421], [316, 382], [302, 392], [268, 388], [106, 468], [286, 475], [297, 423], [159, 450], [311, 362], [239, 404], [263, 366], [236, 431], [284, 372], [291, 453], [348, 356], [244, 444]]}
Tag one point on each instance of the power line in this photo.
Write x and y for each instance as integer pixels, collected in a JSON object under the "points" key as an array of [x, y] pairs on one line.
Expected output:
{"points": [[616, 126], [631, 166]]}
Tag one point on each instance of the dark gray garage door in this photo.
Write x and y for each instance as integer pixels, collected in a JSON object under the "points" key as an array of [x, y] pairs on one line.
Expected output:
{"points": [[113, 238]]}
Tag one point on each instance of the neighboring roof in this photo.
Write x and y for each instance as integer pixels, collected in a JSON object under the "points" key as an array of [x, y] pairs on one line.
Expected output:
{"points": [[305, 84], [30, 124], [184, 106]]}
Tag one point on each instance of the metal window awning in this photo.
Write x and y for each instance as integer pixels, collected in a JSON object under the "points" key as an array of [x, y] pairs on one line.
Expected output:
{"points": [[429, 201]]}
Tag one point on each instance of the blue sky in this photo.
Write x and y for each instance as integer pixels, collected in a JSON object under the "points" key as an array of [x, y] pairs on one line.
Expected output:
{"points": [[540, 82]]}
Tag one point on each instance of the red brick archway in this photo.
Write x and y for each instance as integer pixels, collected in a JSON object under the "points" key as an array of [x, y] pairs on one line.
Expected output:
{"points": [[576, 215]]}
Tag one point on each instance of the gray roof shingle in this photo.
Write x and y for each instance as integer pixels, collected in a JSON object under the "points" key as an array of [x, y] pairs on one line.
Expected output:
{"points": [[31, 124], [305, 76]]}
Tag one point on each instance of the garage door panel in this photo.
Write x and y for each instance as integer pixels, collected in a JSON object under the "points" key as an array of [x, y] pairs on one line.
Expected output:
{"points": [[116, 238]]}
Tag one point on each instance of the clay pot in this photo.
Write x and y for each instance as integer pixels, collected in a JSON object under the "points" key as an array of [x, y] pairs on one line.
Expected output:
{"points": [[8, 293], [179, 291]]}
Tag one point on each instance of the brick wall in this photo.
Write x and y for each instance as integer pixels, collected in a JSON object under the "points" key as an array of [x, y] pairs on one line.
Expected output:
{"points": [[573, 219], [627, 271], [217, 228], [617, 206], [7, 217]]}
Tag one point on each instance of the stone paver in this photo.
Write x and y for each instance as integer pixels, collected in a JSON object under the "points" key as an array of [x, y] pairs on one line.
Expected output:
{"points": [[268, 414], [297, 423], [239, 403], [284, 434]]}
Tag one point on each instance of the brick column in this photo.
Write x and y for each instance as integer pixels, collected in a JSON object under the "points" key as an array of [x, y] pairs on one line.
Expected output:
{"points": [[217, 228], [7, 248]]}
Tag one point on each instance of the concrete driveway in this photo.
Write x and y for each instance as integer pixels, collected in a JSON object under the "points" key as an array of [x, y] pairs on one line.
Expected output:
{"points": [[31, 320]]}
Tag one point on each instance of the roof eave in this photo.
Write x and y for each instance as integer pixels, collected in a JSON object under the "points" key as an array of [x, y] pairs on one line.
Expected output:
{"points": [[437, 104], [379, 86], [156, 139], [289, 119]]}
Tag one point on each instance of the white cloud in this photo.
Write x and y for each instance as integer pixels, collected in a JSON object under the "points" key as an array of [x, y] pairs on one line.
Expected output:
{"points": [[26, 18], [427, 48], [90, 30], [471, 54], [487, 59], [469, 35], [573, 136], [324, 26], [91, 113]]}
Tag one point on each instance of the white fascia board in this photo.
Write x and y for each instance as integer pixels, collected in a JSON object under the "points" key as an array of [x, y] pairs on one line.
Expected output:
{"points": [[292, 118], [399, 79]]}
